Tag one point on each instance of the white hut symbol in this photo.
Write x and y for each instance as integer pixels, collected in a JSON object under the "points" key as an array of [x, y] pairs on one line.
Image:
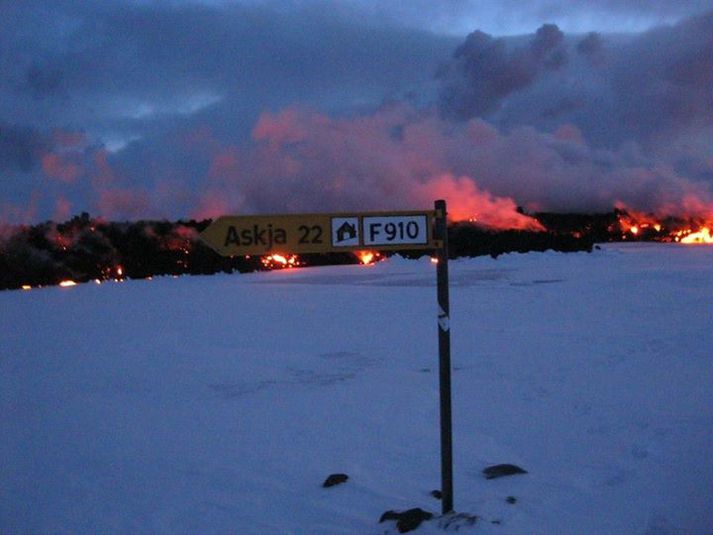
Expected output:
{"points": [[346, 231]]}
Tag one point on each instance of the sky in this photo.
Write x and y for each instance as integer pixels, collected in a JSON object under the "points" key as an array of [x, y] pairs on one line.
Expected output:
{"points": [[187, 109]]}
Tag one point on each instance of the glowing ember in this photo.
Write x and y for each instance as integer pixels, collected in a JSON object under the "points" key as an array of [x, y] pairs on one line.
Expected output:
{"points": [[119, 271], [26, 287], [67, 284], [280, 261], [637, 224], [367, 257], [434, 260], [669, 228], [702, 236]]}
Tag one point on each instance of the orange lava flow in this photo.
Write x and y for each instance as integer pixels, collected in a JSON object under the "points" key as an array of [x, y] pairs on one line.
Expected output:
{"points": [[683, 229], [367, 257], [280, 261], [702, 236]]}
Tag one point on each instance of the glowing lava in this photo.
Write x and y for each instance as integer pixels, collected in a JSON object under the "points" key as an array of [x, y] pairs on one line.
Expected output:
{"points": [[686, 230], [280, 261], [367, 257], [637, 224], [702, 236]]}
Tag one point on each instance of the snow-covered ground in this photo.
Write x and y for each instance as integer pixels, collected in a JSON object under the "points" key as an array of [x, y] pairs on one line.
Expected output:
{"points": [[220, 404]]}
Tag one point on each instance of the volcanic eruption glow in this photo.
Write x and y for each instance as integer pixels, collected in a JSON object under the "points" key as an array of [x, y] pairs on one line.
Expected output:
{"points": [[702, 236], [93, 250], [368, 257], [685, 229], [280, 261]]}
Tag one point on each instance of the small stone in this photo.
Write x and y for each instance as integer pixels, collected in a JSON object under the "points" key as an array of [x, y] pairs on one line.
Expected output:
{"points": [[335, 479], [389, 515], [511, 499], [501, 470], [437, 494], [407, 520]]}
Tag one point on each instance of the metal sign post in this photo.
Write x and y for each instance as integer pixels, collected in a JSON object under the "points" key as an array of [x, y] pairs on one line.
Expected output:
{"points": [[444, 358]]}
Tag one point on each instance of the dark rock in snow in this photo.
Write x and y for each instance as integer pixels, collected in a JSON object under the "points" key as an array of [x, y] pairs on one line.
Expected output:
{"points": [[407, 520], [335, 479], [511, 499], [501, 470], [389, 515], [437, 494]]}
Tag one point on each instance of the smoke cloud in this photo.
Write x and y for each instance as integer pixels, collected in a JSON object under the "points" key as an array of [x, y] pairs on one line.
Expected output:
{"points": [[169, 110], [403, 156], [20, 148], [484, 72]]}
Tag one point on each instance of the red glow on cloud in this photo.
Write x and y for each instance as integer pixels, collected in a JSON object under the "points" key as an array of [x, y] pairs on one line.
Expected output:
{"points": [[62, 210], [466, 202], [696, 206], [117, 203], [687, 205], [103, 173], [57, 167], [281, 128], [569, 132], [211, 205], [224, 164], [395, 158]]}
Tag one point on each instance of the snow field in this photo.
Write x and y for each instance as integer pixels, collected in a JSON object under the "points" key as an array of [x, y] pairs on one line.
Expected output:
{"points": [[220, 404]]}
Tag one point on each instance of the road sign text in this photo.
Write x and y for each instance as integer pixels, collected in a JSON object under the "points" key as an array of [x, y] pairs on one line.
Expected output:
{"points": [[320, 233], [391, 230]]}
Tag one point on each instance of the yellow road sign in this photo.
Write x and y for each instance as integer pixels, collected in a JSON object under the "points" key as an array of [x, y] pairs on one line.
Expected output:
{"points": [[320, 233]]}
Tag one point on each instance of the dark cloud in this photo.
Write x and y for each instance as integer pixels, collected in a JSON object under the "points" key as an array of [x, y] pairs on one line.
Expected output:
{"points": [[547, 45], [592, 47], [124, 67], [484, 71], [20, 148], [652, 88], [43, 82], [663, 82]]}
